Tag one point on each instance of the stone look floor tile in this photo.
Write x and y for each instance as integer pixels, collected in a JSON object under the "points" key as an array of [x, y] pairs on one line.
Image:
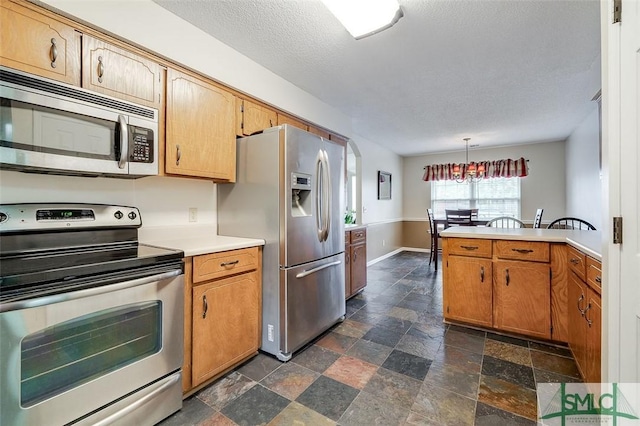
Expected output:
{"points": [[258, 405], [442, 407], [470, 362], [554, 363], [425, 348], [464, 341], [217, 419], [544, 376], [290, 380], [487, 415], [316, 358], [225, 390], [396, 388], [328, 397], [383, 336], [453, 379], [507, 352], [351, 371], [336, 342], [519, 374], [353, 328], [366, 409], [508, 339], [259, 366], [556, 350], [508, 396], [407, 364], [298, 415], [371, 352]]}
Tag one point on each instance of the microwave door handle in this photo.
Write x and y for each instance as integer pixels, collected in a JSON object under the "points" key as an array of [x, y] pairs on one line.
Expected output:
{"points": [[124, 141]]}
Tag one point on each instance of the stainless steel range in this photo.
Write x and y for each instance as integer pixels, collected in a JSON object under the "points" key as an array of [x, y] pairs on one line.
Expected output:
{"points": [[90, 320]]}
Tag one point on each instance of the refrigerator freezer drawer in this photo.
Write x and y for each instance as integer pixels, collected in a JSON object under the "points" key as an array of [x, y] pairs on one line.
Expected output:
{"points": [[314, 300]]}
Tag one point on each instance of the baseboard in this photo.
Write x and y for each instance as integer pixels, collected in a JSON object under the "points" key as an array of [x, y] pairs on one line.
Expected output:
{"points": [[401, 249]]}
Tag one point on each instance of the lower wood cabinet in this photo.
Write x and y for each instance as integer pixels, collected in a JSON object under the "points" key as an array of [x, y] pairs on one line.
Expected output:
{"points": [[355, 259], [468, 294], [585, 314], [223, 311]]}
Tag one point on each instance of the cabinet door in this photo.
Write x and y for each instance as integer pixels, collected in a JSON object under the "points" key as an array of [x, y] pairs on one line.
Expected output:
{"points": [[285, 119], [37, 44], [119, 73], [522, 298], [320, 132], [252, 118], [577, 295], [593, 317], [226, 324], [200, 139], [358, 267], [468, 291]]}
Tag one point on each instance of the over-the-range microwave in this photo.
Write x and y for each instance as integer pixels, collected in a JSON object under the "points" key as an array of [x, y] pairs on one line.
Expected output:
{"points": [[51, 127]]}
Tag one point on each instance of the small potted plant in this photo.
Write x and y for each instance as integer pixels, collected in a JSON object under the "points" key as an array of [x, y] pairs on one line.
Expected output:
{"points": [[350, 217]]}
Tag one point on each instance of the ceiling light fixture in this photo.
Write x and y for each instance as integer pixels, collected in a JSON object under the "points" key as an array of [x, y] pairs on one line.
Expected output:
{"points": [[363, 18], [468, 172]]}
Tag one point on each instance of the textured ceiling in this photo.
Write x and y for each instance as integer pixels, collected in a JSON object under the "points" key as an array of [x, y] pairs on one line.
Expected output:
{"points": [[500, 72]]}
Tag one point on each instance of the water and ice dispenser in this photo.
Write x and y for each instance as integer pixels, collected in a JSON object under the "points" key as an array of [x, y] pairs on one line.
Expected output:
{"points": [[300, 194]]}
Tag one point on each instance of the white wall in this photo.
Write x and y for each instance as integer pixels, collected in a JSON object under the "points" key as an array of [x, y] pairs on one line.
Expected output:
{"points": [[374, 157], [543, 188], [584, 187]]}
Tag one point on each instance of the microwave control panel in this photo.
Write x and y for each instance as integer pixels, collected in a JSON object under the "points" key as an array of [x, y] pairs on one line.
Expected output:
{"points": [[140, 145]]}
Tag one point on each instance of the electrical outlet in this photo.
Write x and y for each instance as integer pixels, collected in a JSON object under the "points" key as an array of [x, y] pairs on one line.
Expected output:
{"points": [[193, 214]]}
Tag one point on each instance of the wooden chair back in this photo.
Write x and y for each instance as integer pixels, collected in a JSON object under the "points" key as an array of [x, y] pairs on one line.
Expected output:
{"points": [[505, 222], [537, 220], [458, 217], [571, 223]]}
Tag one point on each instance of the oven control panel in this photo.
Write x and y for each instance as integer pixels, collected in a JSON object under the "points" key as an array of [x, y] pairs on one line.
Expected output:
{"points": [[25, 217]]}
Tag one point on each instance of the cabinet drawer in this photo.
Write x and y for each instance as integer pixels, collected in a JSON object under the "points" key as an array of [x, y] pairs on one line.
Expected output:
{"points": [[594, 274], [577, 262], [470, 247], [347, 237], [358, 236], [216, 265], [522, 250]]}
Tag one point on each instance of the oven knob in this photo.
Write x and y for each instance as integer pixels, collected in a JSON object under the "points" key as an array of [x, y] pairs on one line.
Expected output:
{"points": [[118, 214], [132, 215]]}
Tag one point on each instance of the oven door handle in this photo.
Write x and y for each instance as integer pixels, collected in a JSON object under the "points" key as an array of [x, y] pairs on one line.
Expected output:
{"points": [[94, 291], [139, 403]]}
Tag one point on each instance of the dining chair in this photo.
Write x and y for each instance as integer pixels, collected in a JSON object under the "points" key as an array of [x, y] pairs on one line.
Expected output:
{"points": [[571, 223], [433, 235], [505, 222], [474, 214], [458, 218], [537, 220]]}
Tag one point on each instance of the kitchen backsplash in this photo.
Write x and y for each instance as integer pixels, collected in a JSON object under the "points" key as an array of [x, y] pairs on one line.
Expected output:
{"points": [[163, 201]]}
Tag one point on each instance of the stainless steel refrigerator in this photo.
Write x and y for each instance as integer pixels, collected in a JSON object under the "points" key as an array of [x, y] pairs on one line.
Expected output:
{"points": [[289, 191]]}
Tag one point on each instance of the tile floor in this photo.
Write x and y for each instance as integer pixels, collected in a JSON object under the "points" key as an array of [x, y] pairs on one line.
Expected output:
{"points": [[391, 362]]}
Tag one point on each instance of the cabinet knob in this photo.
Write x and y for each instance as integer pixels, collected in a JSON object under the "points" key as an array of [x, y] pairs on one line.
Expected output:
{"points": [[53, 52], [178, 155]]}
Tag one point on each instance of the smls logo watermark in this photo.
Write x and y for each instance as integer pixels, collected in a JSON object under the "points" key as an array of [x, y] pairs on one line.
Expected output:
{"points": [[588, 403]]}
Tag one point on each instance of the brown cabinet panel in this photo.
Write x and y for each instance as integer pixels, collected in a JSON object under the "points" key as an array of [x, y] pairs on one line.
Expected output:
{"points": [[320, 132], [468, 290], [577, 263], [559, 304], [358, 236], [593, 318], [469, 247], [226, 324], [200, 138], [285, 119], [120, 73], [594, 274], [522, 298], [522, 250], [358, 267], [577, 294], [252, 118], [37, 44]]}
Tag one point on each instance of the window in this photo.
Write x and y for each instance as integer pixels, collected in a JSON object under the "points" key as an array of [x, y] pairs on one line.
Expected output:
{"points": [[492, 197]]}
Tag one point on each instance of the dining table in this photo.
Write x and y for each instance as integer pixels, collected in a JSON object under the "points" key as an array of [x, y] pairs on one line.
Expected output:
{"points": [[442, 221]]}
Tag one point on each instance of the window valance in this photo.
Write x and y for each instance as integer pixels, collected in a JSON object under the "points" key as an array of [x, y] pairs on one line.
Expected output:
{"points": [[493, 169]]}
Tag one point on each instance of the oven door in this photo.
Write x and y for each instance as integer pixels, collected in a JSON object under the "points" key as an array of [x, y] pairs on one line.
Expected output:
{"points": [[63, 361]]}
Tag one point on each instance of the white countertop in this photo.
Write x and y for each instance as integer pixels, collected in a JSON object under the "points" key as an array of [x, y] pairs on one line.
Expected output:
{"points": [[194, 239], [589, 242]]}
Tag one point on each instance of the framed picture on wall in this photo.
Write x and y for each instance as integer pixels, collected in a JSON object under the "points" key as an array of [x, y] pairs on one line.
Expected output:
{"points": [[384, 185]]}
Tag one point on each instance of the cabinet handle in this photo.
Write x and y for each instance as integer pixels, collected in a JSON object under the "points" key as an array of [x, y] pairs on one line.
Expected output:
{"points": [[270, 123], [580, 299], [100, 69], [355, 256], [574, 261], [506, 272], [598, 280], [205, 306], [178, 155], [586, 317], [233, 262], [346, 258], [469, 247], [522, 250], [53, 52], [482, 274]]}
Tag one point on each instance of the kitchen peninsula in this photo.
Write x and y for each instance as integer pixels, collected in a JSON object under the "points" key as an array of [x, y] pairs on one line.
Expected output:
{"points": [[538, 283]]}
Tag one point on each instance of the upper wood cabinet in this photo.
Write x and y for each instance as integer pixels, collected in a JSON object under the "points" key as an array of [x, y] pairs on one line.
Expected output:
{"points": [[285, 119], [200, 139], [38, 44], [117, 72], [252, 118], [320, 132]]}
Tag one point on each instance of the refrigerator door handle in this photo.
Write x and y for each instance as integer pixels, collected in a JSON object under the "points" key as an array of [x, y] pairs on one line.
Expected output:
{"points": [[319, 213], [327, 201], [319, 268]]}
